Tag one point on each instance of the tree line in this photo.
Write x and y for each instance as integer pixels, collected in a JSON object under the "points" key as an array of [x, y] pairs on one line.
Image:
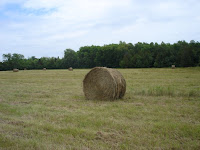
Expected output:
{"points": [[122, 55]]}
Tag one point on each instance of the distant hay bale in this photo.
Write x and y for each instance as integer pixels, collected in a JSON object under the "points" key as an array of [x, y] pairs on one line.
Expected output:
{"points": [[15, 70], [104, 84], [44, 69], [70, 69], [173, 66], [25, 69]]}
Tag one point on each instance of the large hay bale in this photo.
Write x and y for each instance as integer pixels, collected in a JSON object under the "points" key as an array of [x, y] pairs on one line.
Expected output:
{"points": [[15, 70], [173, 66], [70, 69], [44, 69], [104, 84]]}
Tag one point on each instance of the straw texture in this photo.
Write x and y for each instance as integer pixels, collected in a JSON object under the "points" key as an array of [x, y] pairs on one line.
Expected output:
{"points": [[104, 83]]}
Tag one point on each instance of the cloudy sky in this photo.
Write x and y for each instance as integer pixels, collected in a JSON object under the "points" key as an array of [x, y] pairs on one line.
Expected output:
{"points": [[47, 27]]}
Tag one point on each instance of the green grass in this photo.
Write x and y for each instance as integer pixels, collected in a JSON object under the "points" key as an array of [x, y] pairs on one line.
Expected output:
{"points": [[47, 110]]}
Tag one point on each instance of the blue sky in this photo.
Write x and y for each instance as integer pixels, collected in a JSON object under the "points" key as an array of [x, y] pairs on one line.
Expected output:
{"points": [[47, 27]]}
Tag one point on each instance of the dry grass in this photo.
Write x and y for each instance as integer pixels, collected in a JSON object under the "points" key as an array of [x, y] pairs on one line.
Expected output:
{"points": [[173, 66], [15, 70], [70, 69], [47, 110], [103, 83]]}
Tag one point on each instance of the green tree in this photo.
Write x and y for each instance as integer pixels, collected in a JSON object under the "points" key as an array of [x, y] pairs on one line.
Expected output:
{"points": [[13, 61], [187, 58], [70, 58]]}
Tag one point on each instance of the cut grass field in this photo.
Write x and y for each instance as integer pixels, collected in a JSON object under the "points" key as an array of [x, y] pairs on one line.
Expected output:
{"points": [[47, 110]]}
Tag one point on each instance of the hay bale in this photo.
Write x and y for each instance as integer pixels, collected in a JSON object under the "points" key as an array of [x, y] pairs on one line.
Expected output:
{"points": [[15, 70], [25, 69], [70, 69], [44, 69], [104, 84], [173, 66]]}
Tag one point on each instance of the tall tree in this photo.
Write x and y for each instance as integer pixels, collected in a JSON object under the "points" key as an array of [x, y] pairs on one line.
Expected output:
{"points": [[70, 58]]}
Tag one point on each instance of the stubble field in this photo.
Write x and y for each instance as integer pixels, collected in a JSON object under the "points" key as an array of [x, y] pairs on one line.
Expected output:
{"points": [[47, 110]]}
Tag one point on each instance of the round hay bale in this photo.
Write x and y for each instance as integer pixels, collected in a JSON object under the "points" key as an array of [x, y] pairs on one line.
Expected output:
{"points": [[70, 69], [44, 69], [104, 84], [173, 66], [15, 70]]}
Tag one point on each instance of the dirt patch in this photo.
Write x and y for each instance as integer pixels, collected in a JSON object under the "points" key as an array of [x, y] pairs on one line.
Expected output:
{"points": [[17, 123], [20, 103], [108, 137]]}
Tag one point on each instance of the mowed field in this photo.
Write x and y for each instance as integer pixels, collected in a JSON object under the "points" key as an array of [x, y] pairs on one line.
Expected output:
{"points": [[47, 110]]}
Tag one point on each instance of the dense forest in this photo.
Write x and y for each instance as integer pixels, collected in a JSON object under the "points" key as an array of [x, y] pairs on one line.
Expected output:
{"points": [[122, 55]]}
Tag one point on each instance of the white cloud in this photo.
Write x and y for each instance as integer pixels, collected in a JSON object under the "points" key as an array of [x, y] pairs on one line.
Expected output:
{"points": [[76, 9], [47, 27]]}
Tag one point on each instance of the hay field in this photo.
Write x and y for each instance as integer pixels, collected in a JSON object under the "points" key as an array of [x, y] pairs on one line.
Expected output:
{"points": [[47, 110]]}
